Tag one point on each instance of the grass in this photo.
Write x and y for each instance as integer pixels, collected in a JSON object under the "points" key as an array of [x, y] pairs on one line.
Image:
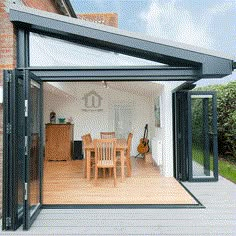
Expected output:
{"points": [[226, 169]]}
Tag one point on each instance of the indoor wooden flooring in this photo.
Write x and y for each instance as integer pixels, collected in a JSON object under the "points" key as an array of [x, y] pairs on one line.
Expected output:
{"points": [[64, 183]]}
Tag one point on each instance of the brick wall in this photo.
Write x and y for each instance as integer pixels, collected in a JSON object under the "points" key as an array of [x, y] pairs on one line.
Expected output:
{"points": [[45, 5], [7, 41], [8, 51], [110, 19]]}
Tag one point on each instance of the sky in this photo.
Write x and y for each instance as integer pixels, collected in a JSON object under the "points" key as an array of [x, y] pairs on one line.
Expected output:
{"points": [[210, 24]]}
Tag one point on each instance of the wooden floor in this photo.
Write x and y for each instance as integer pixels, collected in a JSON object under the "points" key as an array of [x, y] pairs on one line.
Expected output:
{"points": [[64, 183]]}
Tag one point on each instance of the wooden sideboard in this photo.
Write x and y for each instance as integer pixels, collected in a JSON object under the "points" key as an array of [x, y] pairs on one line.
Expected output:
{"points": [[59, 142]]}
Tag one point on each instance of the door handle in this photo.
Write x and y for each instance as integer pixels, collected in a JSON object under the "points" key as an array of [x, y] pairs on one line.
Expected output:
{"points": [[212, 133]]}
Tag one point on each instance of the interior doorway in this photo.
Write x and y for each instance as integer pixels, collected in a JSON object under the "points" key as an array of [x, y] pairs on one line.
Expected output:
{"points": [[119, 111]]}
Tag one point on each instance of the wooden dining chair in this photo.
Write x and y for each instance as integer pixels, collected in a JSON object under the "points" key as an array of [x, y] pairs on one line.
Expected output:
{"points": [[127, 155], [107, 135], [86, 139], [105, 156]]}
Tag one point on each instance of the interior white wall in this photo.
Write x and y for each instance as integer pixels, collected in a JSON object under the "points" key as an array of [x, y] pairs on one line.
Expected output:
{"points": [[71, 105], [165, 133]]}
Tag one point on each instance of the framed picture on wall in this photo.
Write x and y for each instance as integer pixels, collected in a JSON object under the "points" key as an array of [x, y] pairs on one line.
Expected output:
{"points": [[157, 111]]}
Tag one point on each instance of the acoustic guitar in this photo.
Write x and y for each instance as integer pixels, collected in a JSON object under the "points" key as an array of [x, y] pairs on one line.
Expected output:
{"points": [[143, 146]]}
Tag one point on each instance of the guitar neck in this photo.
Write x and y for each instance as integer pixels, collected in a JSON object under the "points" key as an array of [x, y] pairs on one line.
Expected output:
{"points": [[145, 131]]}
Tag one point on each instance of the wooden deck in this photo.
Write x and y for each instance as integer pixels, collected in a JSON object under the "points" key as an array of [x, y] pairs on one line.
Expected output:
{"points": [[218, 218], [64, 183]]}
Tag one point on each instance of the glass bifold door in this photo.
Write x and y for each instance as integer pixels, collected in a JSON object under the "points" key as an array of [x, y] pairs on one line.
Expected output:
{"points": [[196, 136], [23, 150], [203, 158]]}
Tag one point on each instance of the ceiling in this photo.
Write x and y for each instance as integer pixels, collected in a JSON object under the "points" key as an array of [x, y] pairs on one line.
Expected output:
{"points": [[138, 88]]}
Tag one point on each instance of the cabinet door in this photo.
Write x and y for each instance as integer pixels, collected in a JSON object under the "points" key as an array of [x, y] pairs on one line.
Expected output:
{"points": [[51, 143], [58, 142], [64, 142]]}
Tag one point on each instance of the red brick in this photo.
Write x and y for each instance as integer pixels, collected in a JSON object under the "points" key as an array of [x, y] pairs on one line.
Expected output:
{"points": [[110, 19]]}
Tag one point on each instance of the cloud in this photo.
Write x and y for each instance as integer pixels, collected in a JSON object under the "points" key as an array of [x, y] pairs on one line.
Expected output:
{"points": [[170, 21], [222, 7]]}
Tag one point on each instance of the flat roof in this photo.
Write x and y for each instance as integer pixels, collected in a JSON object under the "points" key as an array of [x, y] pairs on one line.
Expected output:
{"points": [[213, 64]]}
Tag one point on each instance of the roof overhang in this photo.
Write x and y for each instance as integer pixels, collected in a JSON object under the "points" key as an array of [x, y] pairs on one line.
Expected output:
{"points": [[128, 73], [210, 64]]}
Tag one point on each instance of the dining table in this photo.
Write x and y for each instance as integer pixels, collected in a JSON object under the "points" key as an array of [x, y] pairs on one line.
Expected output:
{"points": [[121, 146]]}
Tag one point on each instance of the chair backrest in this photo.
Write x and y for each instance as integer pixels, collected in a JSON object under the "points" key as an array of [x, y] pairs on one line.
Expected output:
{"points": [[105, 151], [107, 135], [86, 139], [129, 142]]}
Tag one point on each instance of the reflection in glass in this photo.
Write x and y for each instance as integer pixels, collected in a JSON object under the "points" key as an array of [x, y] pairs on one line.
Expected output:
{"points": [[202, 142], [20, 144], [34, 168], [47, 51]]}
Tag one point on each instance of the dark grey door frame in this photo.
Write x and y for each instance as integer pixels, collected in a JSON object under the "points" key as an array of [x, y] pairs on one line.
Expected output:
{"points": [[8, 212], [180, 121], [12, 217], [28, 217], [206, 135]]}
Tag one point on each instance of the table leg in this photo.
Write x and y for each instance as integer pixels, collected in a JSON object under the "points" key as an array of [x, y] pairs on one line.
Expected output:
{"points": [[85, 167], [122, 158], [88, 156]]}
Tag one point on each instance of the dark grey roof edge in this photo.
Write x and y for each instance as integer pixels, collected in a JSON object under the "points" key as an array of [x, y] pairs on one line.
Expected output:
{"points": [[71, 9], [117, 31]]}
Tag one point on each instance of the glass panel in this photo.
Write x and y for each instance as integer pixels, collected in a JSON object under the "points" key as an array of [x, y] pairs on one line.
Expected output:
{"points": [[202, 136], [20, 143], [34, 163], [48, 51]]}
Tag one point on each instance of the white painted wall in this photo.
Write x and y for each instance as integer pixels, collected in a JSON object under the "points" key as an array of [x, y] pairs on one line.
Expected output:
{"points": [[165, 133], [71, 105]]}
